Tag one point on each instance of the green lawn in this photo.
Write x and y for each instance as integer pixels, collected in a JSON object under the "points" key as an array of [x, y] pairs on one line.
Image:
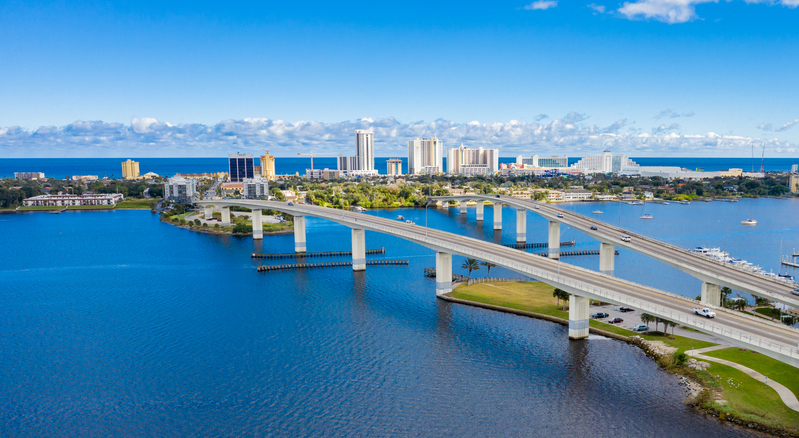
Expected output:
{"points": [[749, 399], [782, 373], [137, 203], [278, 227], [537, 297], [765, 311]]}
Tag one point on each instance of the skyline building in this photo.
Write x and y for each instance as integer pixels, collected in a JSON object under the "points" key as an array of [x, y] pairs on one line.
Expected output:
{"points": [[130, 169], [394, 166], [605, 163], [472, 162], [363, 163], [425, 156], [268, 166], [180, 189], [240, 166], [548, 162], [255, 188]]}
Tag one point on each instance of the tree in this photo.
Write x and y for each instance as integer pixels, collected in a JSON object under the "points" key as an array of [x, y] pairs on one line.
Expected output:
{"points": [[725, 292], [561, 294], [776, 313], [488, 266], [647, 318], [471, 265], [241, 228]]}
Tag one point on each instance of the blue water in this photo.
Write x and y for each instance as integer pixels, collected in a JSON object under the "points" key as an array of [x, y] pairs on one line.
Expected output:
{"points": [[112, 167], [114, 323]]}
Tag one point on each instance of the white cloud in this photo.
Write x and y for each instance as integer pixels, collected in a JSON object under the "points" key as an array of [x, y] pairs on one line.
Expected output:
{"points": [[598, 9], [668, 11], [672, 114], [786, 3], [783, 128], [541, 5], [566, 135]]}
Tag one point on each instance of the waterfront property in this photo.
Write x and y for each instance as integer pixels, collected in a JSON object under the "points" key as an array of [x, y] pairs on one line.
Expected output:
{"points": [[29, 175], [73, 200], [180, 189]]}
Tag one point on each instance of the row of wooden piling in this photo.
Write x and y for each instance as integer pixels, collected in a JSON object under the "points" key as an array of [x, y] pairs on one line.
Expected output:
{"points": [[315, 254], [591, 252], [270, 268], [536, 245]]}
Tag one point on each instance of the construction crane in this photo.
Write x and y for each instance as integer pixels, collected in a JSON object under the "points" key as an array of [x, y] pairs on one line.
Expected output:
{"points": [[312, 154], [762, 159]]}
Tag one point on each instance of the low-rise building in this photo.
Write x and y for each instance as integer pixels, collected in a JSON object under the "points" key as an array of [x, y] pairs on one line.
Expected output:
{"points": [[29, 175], [72, 200], [84, 178], [255, 188], [325, 174], [230, 189], [180, 189], [577, 195]]}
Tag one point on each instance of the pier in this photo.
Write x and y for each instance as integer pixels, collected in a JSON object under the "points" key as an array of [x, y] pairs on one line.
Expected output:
{"points": [[270, 268], [315, 254], [536, 245]]}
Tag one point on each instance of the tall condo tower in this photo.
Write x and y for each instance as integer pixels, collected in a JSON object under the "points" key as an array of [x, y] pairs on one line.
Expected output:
{"points": [[425, 156], [365, 149]]}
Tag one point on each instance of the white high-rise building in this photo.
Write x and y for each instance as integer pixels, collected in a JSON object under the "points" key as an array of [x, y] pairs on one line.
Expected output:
{"points": [[425, 156], [363, 163], [180, 189], [605, 163], [472, 162], [255, 188], [536, 161]]}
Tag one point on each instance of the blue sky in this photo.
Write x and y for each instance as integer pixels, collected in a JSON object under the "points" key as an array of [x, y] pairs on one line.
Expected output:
{"points": [[655, 77]]}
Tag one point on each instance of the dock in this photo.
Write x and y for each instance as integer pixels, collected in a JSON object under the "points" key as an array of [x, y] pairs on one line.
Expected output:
{"points": [[536, 245], [590, 252], [271, 268], [315, 254]]}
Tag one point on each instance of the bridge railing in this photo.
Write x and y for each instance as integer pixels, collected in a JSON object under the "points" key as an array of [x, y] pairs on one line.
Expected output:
{"points": [[777, 280], [558, 279]]}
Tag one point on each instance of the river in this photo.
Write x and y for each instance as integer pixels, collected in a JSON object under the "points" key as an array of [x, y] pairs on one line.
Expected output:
{"points": [[117, 324]]}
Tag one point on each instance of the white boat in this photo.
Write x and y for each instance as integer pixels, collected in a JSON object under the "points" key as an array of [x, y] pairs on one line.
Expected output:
{"points": [[401, 217], [646, 216], [749, 222], [358, 208], [598, 212], [666, 203]]}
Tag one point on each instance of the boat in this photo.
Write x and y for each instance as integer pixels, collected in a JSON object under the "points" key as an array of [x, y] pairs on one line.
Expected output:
{"points": [[666, 203], [401, 217], [598, 212], [646, 216], [749, 222], [358, 208], [409, 222]]}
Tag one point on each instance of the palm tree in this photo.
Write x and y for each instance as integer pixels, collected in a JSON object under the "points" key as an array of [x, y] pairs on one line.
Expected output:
{"points": [[488, 266], [561, 294], [471, 265], [725, 292], [647, 318]]}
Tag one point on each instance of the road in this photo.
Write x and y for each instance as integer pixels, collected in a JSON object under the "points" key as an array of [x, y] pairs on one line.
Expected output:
{"points": [[571, 278], [696, 265]]}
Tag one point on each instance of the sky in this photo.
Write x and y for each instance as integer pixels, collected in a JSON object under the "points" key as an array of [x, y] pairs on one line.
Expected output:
{"points": [[170, 79]]}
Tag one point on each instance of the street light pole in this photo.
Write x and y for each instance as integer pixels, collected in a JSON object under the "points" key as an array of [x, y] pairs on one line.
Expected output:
{"points": [[725, 235]]}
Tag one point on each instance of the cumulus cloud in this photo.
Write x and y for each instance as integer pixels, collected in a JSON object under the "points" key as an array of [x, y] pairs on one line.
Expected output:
{"points": [[783, 128], [667, 11], [146, 137], [672, 114], [541, 5]]}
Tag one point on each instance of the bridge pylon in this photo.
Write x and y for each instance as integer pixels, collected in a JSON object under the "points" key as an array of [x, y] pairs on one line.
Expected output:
{"points": [[578, 317]]}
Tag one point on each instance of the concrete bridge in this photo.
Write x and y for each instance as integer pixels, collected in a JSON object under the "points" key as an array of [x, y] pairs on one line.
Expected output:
{"points": [[773, 339], [713, 274]]}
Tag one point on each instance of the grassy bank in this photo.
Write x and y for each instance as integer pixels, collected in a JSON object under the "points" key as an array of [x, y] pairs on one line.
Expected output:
{"points": [[137, 204], [731, 393]]}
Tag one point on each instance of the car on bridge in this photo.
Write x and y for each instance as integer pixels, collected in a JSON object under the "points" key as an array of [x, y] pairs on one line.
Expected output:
{"points": [[560, 214], [626, 309], [626, 239], [615, 320], [795, 292], [599, 315], [641, 328], [593, 227], [705, 312]]}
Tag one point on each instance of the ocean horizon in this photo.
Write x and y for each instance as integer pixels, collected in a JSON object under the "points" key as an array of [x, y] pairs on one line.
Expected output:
{"points": [[61, 168]]}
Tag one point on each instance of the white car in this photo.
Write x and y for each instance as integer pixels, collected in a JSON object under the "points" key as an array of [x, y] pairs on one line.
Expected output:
{"points": [[705, 312], [626, 239]]}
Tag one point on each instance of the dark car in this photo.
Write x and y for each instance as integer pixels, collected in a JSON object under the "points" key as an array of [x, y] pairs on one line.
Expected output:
{"points": [[615, 320], [795, 292], [560, 214], [626, 309], [497, 196], [291, 203], [599, 315], [593, 228]]}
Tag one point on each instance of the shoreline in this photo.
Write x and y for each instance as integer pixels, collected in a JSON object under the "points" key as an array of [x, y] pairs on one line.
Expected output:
{"points": [[699, 391]]}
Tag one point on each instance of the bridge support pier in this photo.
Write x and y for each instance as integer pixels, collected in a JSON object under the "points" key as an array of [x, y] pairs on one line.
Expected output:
{"points": [[462, 207], [521, 226], [257, 225], [497, 216], [443, 273], [358, 249], [554, 240], [299, 234], [711, 294], [578, 317], [209, 212], [607, 251], [480, 207], [226, 216]]}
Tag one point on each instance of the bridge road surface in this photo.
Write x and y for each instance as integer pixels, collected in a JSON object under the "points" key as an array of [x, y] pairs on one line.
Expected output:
{"points": [[695, 265], [785, 336]]}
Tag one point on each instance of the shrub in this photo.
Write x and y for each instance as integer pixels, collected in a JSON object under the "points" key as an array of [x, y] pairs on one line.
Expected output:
{"points": [[680, 358], [241, 228]]}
